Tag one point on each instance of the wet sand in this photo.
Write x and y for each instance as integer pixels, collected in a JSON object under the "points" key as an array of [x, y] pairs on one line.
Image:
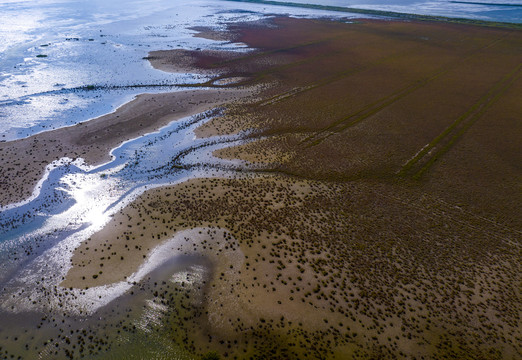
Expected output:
{"points": [[22, 162]]}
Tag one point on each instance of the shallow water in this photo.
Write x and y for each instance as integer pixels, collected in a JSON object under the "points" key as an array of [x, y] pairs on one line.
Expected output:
{"points": [[39, 236], [73, 200], [77, 198], [84, 44], [62, 62], [490, 10], [53, 51], [136, 326]]}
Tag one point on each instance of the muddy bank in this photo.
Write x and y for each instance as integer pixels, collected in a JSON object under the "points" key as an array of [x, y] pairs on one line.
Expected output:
{"points": [[379, 220]]}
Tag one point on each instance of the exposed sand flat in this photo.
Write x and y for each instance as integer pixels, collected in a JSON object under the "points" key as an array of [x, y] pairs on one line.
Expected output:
{"points": [[181, 60], [22, 162]]}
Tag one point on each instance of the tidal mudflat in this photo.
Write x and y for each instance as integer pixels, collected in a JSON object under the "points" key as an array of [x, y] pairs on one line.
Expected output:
{"points": [[355, 196], [377, 207]]}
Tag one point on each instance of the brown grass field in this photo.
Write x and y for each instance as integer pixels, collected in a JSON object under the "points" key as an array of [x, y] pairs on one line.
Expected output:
{"points": [[387, 224]]}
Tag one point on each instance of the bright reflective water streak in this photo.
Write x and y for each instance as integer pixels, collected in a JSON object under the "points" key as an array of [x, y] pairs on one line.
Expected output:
{"points": [[86, 199], [52, 49], [73, 200], [62, 46]]}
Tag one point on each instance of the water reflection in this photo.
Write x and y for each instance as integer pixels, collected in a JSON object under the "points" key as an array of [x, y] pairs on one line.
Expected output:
{"points": [[79, 200]]}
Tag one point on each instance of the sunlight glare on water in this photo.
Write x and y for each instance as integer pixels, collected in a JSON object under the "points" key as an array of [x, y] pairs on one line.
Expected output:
{"points": [[92, 197]]}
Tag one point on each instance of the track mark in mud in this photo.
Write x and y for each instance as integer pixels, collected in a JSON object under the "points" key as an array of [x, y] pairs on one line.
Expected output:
{"points": [[429, 154]]}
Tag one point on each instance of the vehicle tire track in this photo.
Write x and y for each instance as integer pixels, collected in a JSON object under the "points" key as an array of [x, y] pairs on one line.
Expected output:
{"points": [[375, 107], [421, 162]]}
